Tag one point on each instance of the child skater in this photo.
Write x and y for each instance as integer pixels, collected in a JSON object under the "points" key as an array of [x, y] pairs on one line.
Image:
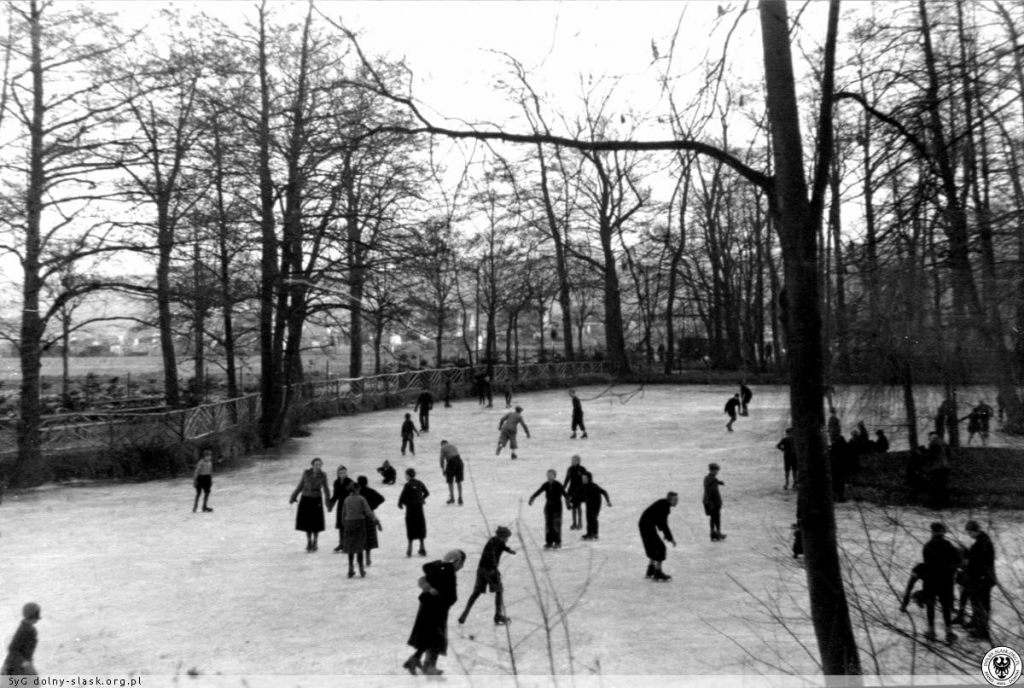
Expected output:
{"points": [[388, 473], [488, 576], [413, 496], [554, 493], [573, 480], [452, 469], [408, 430], [341, 485], [590, 494], [202, 479]]}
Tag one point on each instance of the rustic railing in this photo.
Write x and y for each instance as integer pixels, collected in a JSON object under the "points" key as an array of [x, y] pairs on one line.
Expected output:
{"points": [[111, 429]]}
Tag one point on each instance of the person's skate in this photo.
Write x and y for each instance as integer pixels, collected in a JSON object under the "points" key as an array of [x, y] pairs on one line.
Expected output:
{"points": [[500, 620], [584, 436], [572, 436], [650, 571], [411, 665], [661, 576]]}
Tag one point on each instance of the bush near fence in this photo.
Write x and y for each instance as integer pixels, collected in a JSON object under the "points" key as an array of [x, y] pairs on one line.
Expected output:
{"points": [[122, 445]]}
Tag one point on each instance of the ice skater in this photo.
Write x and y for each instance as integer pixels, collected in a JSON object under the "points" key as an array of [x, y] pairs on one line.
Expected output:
{"points": [[507, 429], [573, 480], [653, 519], [314, 492], [374, 499], [508, 394], [979, 579], [713, 501], [338, 496], [835, 429], [577, 415], [408, 430], [590, 494], [488, 577], [554, 494], [787, 445], [424, 404], [358, 517], [429, 637], [202, 479], [941, 561], [730, 410], [388, 473], [414, 496], [452, 469], [978, 423], [23, 645], [745, 396]]}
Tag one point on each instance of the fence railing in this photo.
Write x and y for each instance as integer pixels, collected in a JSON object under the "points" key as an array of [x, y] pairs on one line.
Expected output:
{"points": [[123, 428]]}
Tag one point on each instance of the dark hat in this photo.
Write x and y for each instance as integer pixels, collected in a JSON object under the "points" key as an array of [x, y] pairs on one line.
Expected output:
{"points": [[938, 527], [502, 531], [714, 467]]}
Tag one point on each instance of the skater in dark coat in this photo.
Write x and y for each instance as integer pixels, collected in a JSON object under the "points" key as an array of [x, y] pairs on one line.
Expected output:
{"points": [[202, 479], [408, 430], [577, 415], [424, 404], [414, 496], [834, 428], [713, 502], [590, 494], [730, 410], [978, 422], [745, 396], [358, 518], [653, 519], [554, 494], [23, 645], [787, 445], [429, 635], [374, 499], [313, 490], [488, 577], [452, 468], [573, 480], [979, 579], [338, 495], [508, 394], [941, 560], [388, 473]]}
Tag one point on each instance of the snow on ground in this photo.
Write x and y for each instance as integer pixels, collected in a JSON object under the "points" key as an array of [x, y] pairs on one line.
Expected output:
{"points": [[132, 582]]}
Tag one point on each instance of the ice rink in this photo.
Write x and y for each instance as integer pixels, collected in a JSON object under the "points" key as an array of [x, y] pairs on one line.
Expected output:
{"points": [[132, 582]]}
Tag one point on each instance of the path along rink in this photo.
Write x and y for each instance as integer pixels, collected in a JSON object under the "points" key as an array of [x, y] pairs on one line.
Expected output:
{"points": [[132, 582]]}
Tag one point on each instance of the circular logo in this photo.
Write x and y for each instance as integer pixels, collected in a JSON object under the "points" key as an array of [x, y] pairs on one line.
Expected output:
{"points": [[1001, 666]]}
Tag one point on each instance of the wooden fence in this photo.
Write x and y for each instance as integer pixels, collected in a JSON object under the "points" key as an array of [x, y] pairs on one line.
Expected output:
{"points": [[116, 429]]}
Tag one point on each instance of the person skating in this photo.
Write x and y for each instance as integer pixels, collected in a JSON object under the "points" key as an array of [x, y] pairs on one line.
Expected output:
{"points": [[448, 390], [488, 577], [508, 427], [730, 410], [590, 494], [917, 574], [745, 396], [654, 519], [835, 429], [340, 492], [408, 431], [452, 468], [388, 473], [424, 404], [787, 445], [202, 479], [554, 495], [508, 394], [23, 644], [439, 592], [374, 499], [573, 480], [358, 517], [978, 423], [979, 579], [941, 561], [713, 502], [577, 416], [414, 496], [314, 493]]}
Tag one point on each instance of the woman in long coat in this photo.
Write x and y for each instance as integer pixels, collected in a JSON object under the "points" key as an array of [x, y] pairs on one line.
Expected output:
{"points": [[313, 490], [430, 630], [358, 519], [414, 494], [341, 485], [374, 499]]}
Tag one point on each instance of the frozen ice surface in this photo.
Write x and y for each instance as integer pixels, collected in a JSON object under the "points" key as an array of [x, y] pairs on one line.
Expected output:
{"points": [[132, 582]]}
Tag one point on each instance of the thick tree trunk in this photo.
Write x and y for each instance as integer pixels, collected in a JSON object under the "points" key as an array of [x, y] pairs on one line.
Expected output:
{"points": [[798, 229], [165, 244], [561, 268]]}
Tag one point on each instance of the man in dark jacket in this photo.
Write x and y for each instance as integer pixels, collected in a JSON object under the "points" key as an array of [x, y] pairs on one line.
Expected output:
{"points": [[554, 494], [424, 403], [577, 415], [489, 577], [430, 630], [979, 578], [23, 645], [713, 501], [590, 494], [653, 519], [941, 560], [745, 396], [730, 410], [787, 445]]}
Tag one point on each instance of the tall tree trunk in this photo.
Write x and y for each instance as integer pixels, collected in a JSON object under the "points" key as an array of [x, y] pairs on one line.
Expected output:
{"points": [[165, 245], [561, 266], [798, 227], [224, 260], [840, 313], [199, 357]]}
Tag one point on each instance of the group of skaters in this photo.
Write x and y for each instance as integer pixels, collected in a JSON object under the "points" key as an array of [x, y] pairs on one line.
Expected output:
{"points": [[946, 566]]}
